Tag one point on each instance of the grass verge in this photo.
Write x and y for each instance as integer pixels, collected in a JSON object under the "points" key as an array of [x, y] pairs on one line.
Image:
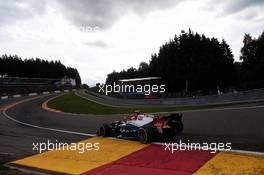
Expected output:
{"points": [[74, 104]]}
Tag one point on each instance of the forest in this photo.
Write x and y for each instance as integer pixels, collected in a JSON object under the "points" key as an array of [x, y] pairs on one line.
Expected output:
{"points": [[193, 62], [14, 66]]}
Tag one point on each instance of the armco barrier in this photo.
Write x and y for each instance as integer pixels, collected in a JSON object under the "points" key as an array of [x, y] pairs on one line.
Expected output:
{"points": [[250, 95]]}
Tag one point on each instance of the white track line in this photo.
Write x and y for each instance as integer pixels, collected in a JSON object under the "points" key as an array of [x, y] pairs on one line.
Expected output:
{"points": [[45, 128], [218, 109], [3, 153], [231, 151], [246, 152], [185, 111], [93, 135], [25, 170], [100, 103]]}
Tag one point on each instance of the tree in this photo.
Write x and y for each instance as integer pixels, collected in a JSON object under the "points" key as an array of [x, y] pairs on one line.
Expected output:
{"points": [[143, 69], [188, 62], [252, 57], [14, 66], [194, 60]]}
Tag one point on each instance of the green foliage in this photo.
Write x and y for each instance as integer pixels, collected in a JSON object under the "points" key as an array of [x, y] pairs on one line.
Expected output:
{"points": [[124, 74], [190, 59], [14, 66], [252, 55], [75, 104], [85, 86]]}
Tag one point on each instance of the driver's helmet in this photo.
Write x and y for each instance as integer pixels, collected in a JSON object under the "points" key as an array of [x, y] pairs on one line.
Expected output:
{"points": [[140, 117], [137, 112]]}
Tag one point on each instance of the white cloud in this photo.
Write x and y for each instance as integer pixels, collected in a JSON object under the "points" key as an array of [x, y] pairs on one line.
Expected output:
{"points": [[132, 38]]}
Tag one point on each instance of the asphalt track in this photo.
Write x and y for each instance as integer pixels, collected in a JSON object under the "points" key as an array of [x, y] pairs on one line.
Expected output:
{"points": [[243, 127], [203, 100], [16, 140]]}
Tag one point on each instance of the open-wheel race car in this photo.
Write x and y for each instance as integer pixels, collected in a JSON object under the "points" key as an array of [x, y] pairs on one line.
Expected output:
{"points": [[143, 127]]}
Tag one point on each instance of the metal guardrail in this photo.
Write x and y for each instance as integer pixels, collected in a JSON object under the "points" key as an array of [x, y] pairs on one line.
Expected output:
{"points": [[250, 95]]}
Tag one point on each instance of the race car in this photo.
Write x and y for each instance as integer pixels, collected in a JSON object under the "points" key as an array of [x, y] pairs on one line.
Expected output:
{"points": [[144, 127]]}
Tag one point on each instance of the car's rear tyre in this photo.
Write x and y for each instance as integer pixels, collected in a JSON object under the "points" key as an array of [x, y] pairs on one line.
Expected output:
{"points": [[104, 130], [146, 134], [179, 127]]}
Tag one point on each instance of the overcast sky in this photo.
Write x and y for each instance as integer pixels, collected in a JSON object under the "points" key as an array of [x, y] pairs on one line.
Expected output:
{"points": [[99, 36]]}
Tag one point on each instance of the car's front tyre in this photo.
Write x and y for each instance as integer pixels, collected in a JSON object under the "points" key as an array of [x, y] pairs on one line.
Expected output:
{"points": [[104, 130]]}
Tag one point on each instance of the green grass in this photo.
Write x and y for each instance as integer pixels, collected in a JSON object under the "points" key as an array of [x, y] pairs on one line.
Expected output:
{"points": [[74, 104]]}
